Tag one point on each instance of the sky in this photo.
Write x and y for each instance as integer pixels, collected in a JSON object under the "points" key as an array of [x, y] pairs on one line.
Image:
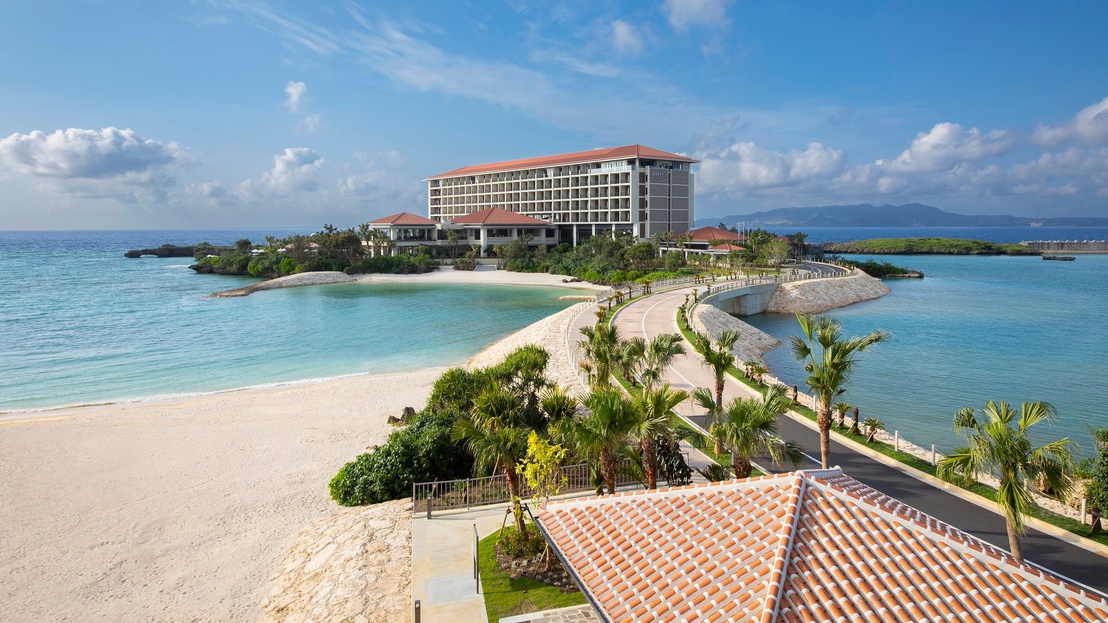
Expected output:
{"points": [[121, 114]]}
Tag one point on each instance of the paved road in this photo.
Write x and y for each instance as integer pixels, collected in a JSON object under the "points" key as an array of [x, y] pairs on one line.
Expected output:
{"points": [[656, 314]]}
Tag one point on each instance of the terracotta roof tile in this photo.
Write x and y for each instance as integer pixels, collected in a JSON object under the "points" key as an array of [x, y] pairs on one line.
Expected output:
{"points": [[708, 233], [403, 218], [499, 216], [626, 152], [806, 546]]}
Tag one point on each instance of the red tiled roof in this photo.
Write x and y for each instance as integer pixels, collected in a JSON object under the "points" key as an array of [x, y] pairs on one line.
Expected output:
{"points": [[727, 247], [803, 546], [499, 216], [627, 152], [403, 218], [714, 233]]}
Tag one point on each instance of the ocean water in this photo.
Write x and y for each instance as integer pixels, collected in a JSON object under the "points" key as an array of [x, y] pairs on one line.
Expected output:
{"points": [[989, 234], [79, 323], [975, 329]]}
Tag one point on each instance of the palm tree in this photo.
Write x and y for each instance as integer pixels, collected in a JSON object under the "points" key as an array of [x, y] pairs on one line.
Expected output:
{"points": [[604, 433], [718, 356], [660, 352], [841, 407], [704, 399], [1097, 491], [601, 346], [756, 371], [996, 446], [654, 410], [872, 425], [496, 435], [749, 427], [829, 366], [631, 355]]}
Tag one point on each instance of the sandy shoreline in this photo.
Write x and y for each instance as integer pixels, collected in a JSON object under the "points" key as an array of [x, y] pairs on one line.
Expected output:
{"points": [[183, 508]]}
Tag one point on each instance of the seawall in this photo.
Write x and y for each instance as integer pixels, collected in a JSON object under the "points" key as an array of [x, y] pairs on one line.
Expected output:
{"points": [[819, 295]]}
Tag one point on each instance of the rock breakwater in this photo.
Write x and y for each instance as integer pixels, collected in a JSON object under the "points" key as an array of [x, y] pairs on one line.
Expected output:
{"points": [[291, 281], [819, 295]]}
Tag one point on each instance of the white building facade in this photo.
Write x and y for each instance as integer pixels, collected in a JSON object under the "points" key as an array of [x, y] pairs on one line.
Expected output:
{"points": [[633, 189]]}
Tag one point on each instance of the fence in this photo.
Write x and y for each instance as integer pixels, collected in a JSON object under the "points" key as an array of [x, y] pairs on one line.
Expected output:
{"points": [[470, 492]]}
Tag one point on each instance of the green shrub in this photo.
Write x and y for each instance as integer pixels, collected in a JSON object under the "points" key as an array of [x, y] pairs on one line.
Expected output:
{"points": [[422, 452], [526, 544]]}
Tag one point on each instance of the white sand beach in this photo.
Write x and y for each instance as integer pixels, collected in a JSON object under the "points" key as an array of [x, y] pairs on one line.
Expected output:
{"points": [[184, 509]]}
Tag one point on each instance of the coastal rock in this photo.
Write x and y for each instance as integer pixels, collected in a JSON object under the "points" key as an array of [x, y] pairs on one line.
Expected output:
{"points": [[819, 295], [753, 343], [352, 566], [166, 250], [291, 281]]}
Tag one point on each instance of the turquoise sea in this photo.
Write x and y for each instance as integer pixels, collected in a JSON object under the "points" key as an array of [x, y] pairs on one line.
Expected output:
{"points": [[79, 323], [975, 329]]}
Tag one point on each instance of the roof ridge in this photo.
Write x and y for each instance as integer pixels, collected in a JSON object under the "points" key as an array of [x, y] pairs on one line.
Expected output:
{"points": [[778, 575]]}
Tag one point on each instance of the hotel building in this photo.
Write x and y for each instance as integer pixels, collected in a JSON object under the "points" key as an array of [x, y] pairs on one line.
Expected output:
{"points": [[633, 189]]}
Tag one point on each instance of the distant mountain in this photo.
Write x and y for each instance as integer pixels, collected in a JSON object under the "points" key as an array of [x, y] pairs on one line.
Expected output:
{"points": [[908, 215]]}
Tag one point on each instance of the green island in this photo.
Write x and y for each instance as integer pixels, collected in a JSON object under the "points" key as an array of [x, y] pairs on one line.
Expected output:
{"points": [[882, 270], [927, 246]]}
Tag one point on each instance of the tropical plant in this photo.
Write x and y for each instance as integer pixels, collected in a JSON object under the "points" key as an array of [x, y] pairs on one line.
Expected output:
{"points": [[718, 356], [855, 422], [654, 413], [841, 407], [496, 435], [872, 425], [756, 371], [714, 472], [705, 399], [1097, 491], [541, 468], [631, 355], [749, 427], [601, 352], [604, 434], [1006, 451], [829, 359], [660, 352]]}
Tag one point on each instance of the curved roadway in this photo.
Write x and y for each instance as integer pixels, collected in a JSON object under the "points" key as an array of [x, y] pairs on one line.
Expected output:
{"points": [[654, 314]]}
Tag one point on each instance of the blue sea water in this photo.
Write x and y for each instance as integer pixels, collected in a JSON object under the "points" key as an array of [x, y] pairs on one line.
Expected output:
{"points": [[79, 323], [989, 234], [975, 329]]}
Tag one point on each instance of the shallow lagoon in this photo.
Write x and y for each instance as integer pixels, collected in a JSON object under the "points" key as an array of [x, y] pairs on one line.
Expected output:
{"points": [[975, 329]]}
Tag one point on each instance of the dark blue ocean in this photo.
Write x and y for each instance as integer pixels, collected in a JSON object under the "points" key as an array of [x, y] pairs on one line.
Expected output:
{"points": [[974, 329], [79, 323]]}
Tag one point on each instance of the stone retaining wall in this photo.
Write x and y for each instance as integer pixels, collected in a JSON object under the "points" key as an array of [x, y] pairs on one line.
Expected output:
{"points": [[752, 344], [819, 295]]}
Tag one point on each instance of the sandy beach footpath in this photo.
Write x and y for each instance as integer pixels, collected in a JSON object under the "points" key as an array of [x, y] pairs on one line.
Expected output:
{"points": [[192, 509]]}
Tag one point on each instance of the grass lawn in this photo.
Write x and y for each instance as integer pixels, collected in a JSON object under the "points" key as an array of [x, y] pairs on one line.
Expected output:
{"points": [[506, 597]]}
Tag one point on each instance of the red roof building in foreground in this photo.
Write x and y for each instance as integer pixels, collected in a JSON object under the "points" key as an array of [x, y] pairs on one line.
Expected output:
{"points": [[634, 189], [801, 546]]}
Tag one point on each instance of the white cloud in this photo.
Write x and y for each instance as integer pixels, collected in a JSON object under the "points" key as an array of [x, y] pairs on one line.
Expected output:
{"points": [[626, 38], [310, 124], [684, 14], [295, 92], [948, 144], [745, 166], [110, 153], [1088, 127], [294, 170]]}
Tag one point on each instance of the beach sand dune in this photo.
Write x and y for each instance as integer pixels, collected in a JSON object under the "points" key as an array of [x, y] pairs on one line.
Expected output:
{"points": [[177, 510]]}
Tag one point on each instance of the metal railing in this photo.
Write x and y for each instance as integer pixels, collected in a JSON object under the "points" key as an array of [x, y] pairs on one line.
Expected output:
{"points": [[470, 492]]}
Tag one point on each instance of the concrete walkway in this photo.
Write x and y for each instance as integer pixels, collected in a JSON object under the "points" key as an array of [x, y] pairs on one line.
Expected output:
{"points": [[657, 313], [442, 564]]}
